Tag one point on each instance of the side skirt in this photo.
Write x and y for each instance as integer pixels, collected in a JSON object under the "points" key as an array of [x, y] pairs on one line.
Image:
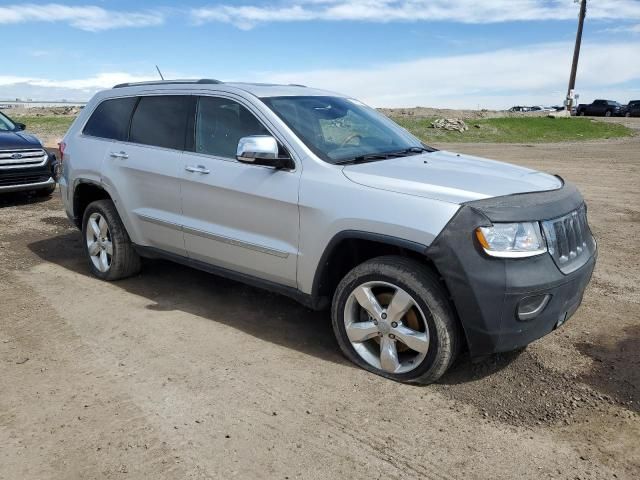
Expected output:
{"points": [[309, 301]]}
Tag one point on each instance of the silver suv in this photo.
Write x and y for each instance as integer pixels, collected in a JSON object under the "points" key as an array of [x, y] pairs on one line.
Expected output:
{"points": [[419, 253]]}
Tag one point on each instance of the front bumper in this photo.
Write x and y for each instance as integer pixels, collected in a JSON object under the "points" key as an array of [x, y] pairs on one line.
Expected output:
{"points": [[29, 178], [486, 290]]}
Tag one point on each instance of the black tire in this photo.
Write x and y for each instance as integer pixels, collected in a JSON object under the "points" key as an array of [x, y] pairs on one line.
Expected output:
{"points": [[607, 113], [46, 192], [421, 282], [581, 114], [125, 262]]}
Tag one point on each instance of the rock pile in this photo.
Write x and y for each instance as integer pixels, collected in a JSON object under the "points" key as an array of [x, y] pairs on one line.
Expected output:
{"points": [[454, 124]]}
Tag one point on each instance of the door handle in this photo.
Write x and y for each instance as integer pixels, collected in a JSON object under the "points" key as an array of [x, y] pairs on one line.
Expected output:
{"points": [[121, 154], [197, 169]]}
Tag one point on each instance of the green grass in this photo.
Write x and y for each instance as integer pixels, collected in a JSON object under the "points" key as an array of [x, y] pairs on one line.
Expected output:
{"points": [[46, 126], [491, 130], [517, 130]]}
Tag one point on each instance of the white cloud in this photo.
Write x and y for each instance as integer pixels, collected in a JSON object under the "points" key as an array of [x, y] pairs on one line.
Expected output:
{"points": [[463, 11], [80, 89], [534, 74], [633, 29], [84, 17]]}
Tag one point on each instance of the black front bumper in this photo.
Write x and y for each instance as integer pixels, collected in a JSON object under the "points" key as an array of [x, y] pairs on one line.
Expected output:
{"points": [[486, 290], [29, 178]]}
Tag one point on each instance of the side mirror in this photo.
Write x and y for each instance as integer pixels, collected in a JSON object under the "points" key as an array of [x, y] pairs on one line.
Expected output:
{"points": [[20, 127], [262, 150]]}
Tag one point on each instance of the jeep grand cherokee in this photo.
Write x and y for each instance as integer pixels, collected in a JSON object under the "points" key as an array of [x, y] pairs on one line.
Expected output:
{"points": [[417, 252]]}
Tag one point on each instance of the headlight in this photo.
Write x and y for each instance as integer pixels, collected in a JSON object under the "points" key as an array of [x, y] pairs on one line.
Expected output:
{"points": [[512, 240]]}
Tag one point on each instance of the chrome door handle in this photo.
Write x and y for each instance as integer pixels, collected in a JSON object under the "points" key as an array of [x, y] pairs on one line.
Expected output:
{"points": [[197, 169], [122, 155]]}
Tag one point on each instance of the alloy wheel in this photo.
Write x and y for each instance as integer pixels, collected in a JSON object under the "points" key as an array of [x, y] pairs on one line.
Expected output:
{"points": [[99, 244], [386, 327]]}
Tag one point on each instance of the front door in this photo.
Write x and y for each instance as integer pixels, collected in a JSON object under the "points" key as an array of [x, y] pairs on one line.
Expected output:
{"points": [[238, 216]]}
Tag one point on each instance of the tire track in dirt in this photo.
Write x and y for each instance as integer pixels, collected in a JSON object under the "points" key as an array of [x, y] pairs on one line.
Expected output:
{"points": [[76, 420]]}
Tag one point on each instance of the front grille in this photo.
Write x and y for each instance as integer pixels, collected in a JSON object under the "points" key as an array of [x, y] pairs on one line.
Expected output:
{"points": [[11, 180], [33, 157], [570, 241]]}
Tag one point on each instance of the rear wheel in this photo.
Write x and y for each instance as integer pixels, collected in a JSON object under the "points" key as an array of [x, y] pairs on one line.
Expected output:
{"points": [[392, 317], [581, 113], [107, 245], [607, 113]]}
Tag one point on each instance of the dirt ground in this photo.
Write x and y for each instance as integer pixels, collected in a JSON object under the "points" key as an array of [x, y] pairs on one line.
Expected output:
{"points": [[179, 374]]}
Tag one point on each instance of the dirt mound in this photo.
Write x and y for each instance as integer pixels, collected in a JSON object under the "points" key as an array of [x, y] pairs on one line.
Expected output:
{"points": [[426, 112], [65, 111]]}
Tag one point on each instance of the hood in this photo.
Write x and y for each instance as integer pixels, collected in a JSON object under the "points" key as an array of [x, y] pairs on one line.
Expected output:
{"points": [[18, 141], [450, 177]]}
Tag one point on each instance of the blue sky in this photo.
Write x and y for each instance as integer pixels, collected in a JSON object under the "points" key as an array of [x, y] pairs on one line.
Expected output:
{"points": [[457, 53]]}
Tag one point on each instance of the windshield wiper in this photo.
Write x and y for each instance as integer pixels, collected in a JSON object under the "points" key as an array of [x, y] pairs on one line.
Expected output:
{"points": [[372, 157]]}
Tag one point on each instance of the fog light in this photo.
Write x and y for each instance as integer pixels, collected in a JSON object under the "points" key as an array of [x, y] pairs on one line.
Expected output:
{"points": [[530, 307]]}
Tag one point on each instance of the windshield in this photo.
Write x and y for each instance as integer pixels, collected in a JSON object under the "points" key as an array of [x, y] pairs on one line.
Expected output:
{"points": [[6, 125], [339, 129]]}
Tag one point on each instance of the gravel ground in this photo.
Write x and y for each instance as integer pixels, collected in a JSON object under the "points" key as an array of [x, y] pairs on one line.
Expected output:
{"points": [[180, 374]]}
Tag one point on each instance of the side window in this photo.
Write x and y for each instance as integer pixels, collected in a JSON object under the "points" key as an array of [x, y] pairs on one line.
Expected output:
{"points": [[111, 119], [220, 123], [161, 121]]}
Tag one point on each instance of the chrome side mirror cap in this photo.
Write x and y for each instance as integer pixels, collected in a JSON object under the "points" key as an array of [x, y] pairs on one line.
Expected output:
{"points": [[262, 150]]}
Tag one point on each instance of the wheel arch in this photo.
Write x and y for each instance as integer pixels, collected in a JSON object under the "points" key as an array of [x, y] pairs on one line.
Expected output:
{"points": [[349, 248], [86, 191]]}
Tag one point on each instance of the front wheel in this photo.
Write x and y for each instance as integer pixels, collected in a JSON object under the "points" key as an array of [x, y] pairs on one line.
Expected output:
{"points": [[392, 317], [109, 250], [607, 113]]}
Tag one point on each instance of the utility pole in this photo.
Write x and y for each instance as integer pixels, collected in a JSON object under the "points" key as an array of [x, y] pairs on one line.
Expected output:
{"points": [[576, 55]]}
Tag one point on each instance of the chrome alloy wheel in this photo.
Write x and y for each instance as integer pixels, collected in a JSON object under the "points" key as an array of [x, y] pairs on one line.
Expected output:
{"points": [[386, 327], [99, 243]]}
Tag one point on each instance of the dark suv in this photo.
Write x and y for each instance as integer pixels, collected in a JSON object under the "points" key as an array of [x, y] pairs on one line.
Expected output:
{"points": [[600, 108], [24, 163], [632, 109]]}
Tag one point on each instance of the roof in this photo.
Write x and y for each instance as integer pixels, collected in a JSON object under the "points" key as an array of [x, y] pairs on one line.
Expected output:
{"points": [[257, 89]]}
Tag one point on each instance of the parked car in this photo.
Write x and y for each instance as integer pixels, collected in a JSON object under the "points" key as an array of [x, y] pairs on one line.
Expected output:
{"points": [[533, 108], [599, 108], [632, 109], [24, 163], [419, 253]]}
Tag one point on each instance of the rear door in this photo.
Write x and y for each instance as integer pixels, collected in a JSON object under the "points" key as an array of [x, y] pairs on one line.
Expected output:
{"points": [[238, 216], [598, 107], [108, 122], [146, 170]]}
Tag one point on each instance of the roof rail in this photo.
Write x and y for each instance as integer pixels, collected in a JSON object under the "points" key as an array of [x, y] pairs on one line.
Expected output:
{"points": [[209, 81]]}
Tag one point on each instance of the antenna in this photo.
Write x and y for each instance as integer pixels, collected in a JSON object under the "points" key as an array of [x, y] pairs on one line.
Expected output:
{"points": [[159, 73]]}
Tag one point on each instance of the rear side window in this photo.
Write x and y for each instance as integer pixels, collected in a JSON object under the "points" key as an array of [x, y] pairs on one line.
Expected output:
{"points": [[111, 119], [161, 121]]}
